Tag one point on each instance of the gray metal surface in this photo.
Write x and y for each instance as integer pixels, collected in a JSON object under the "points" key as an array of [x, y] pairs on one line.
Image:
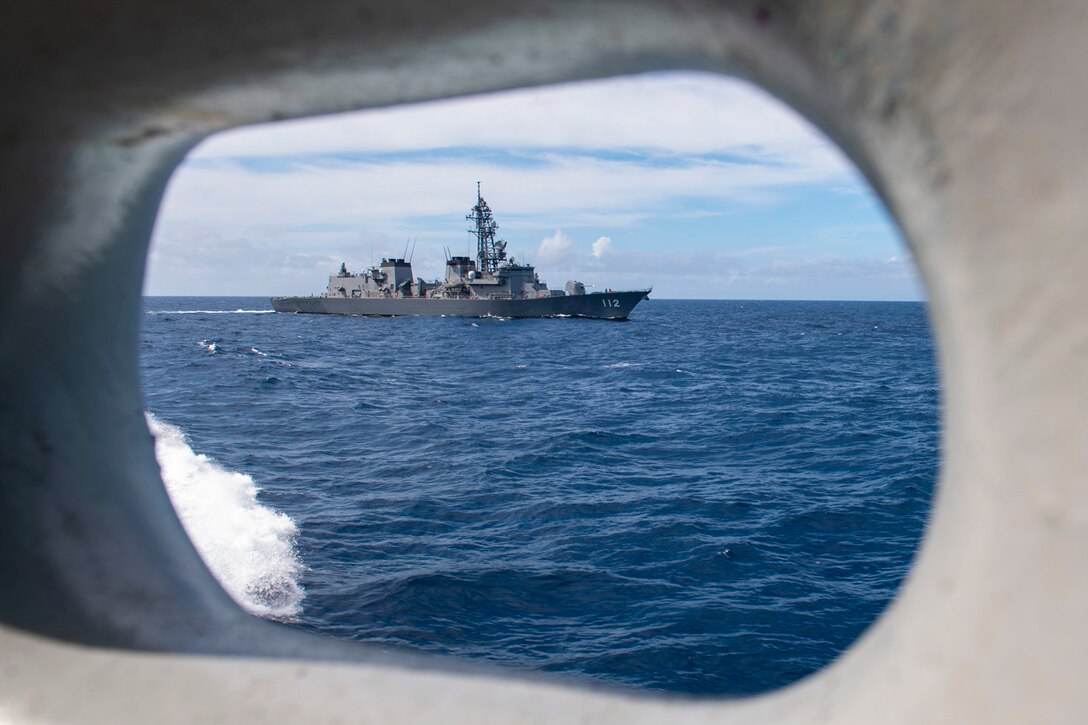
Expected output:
{"points": [[597, 305], [492, 285], [968, 118]]}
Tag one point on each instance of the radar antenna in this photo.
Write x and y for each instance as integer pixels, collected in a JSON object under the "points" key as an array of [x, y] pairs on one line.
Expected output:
{"points": [[489, 252]]}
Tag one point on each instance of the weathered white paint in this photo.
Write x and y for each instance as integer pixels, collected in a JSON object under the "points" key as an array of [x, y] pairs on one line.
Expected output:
{"points": [[968, 117]]}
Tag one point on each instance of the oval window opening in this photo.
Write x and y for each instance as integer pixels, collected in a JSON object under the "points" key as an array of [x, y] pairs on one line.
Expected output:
{"points": [[717, 496]]}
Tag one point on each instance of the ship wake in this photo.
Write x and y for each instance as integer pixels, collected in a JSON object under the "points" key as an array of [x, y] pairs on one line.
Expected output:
{"points": [[210, 312], [249, 547]]}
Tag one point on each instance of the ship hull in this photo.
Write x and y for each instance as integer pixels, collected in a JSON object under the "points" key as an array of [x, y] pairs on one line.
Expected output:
{"points": [[596, 305]]}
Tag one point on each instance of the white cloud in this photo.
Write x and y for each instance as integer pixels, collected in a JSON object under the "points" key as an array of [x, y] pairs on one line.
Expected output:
{"points": [[680, 112], [725, 275], [570, 190], [555, 248], [272, 209]]}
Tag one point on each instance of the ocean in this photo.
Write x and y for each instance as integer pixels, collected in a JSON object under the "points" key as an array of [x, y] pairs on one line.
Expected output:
{"points": [[714, 497]]}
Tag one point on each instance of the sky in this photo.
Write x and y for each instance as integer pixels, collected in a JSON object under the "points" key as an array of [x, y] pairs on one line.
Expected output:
{"points": [[697, 185]]}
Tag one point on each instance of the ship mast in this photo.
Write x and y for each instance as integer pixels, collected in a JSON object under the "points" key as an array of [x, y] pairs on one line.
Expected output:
{"points": [[490, 252]]}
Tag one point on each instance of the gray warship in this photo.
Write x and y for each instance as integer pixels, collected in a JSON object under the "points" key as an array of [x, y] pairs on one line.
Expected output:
{"points": [[489, 286]]}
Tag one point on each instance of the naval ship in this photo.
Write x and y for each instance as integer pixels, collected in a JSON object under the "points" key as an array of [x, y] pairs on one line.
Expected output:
{"points": [[489, 286]]}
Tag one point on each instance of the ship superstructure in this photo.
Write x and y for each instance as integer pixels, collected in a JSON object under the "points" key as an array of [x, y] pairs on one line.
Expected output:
{"points": [[490, 285]]}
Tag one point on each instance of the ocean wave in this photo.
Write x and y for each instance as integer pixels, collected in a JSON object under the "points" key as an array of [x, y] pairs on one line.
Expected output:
{"points": [[210, 312], [723, 530], [249, 547]]}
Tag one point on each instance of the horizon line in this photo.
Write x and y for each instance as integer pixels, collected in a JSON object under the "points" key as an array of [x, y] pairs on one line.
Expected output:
{"points": [[648, 299]]}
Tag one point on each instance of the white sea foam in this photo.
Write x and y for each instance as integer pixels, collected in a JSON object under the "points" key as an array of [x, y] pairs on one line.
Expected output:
{"points": [[247, 546], [210, 312]]}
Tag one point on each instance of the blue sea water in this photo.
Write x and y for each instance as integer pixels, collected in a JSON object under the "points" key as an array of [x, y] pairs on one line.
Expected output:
{"points": [[715, 497]]}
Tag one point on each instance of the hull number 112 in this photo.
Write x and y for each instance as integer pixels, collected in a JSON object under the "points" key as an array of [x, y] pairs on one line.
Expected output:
{"points": [[610, 302]]}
